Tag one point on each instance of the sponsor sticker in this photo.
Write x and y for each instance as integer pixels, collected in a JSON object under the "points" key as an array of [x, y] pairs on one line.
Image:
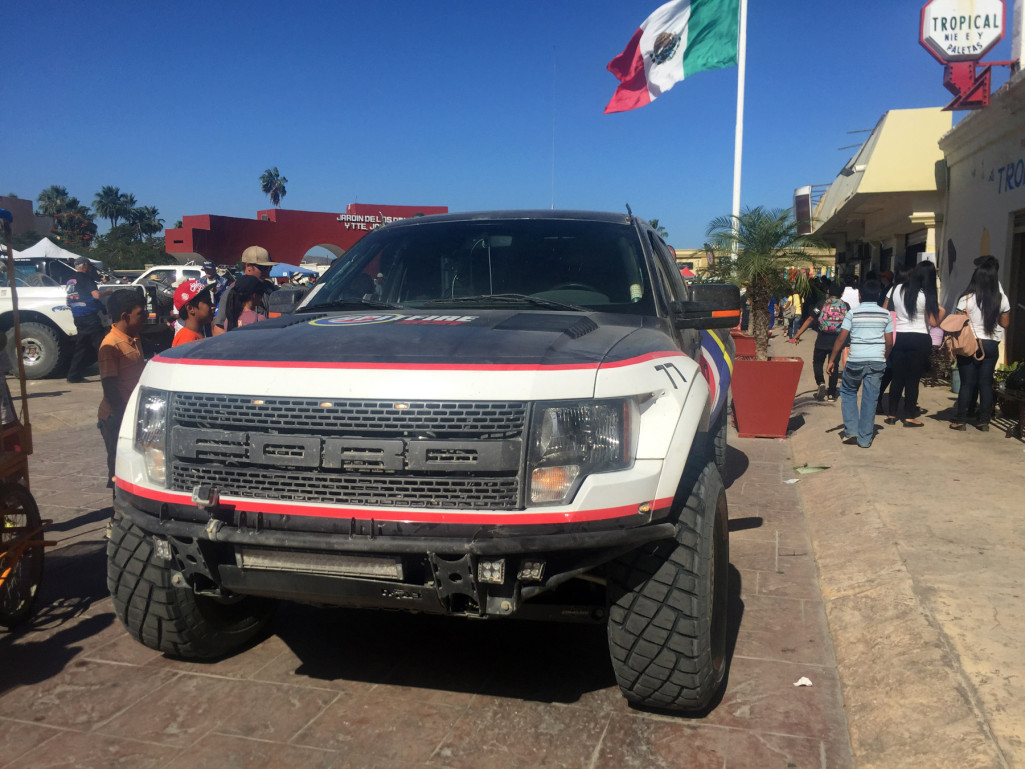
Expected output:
{"points": [[418, 320]]}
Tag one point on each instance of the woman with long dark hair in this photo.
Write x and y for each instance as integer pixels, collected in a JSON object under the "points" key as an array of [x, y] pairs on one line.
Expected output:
{"points": [[989, 313], [917, 306], [903, 273], [243, 302]]}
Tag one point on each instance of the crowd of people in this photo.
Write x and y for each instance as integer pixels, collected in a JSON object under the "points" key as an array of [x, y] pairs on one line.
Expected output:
{"points": [[879, 334], [205, 307]]}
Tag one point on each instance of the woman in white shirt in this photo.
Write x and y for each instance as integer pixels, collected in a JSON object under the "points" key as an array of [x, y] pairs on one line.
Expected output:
{"points": [[989, 313], [917, 307]]}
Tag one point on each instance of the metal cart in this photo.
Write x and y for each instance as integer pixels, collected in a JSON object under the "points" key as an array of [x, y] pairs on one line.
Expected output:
{"points": [[21, 528]]}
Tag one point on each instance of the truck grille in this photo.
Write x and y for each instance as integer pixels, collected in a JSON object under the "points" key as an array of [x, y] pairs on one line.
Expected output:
{"points": [[462, 455], [465, 419]]}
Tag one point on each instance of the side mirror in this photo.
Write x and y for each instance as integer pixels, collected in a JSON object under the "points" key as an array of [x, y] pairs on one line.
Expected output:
{"points": [[285, 300], [712, 305]]}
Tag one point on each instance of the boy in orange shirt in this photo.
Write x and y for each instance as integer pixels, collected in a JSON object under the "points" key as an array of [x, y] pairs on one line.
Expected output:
{"points": [[121, 364], [195, 310]]}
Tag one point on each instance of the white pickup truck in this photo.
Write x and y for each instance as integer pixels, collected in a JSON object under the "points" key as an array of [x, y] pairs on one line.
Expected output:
{"points": [[524, 417], [46, 322], [47, 326]]}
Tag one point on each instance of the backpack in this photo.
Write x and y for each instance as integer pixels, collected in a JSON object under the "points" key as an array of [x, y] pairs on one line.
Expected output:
{"points": [[959, 337], [831, 316]]}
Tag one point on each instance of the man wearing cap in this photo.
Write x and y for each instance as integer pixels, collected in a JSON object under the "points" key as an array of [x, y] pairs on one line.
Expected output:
{"points": [[216, 282], [84, 301], [256, 262]]}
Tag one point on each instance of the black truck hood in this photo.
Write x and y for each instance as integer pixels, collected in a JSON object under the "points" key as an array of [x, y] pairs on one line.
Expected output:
{"points": [[485, 337]]}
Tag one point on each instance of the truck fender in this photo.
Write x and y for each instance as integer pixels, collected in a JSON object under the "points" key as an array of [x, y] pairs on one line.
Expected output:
{"points": [[694, 418], [65, 328]]}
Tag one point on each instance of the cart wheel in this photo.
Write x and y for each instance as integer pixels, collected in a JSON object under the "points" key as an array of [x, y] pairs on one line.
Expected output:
{"points": [[18, 515]]}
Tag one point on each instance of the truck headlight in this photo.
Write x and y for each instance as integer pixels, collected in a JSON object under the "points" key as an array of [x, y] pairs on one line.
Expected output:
{"points": [[569, 441], [151, 433]]}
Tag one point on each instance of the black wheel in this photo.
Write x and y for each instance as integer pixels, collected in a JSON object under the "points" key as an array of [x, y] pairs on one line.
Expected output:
{"points": [[42, 350], [668, 600], [714, 441], [174, 620], [18, 516]]}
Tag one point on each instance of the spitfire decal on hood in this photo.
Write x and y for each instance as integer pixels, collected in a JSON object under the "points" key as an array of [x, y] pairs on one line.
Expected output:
{"points": [[420, 320]]}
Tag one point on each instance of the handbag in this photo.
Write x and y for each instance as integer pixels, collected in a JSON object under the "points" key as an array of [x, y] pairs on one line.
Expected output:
{"points": [[959, 337]]}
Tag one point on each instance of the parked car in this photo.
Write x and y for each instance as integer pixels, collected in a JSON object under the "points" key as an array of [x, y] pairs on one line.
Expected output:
{"points": [[47, 327]]}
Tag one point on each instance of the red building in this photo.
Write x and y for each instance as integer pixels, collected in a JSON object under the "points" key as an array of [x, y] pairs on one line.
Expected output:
{"points": [[286, 234]]}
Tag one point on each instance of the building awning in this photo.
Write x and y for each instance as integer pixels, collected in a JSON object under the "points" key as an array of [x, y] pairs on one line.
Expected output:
{"points": [[896, 176]]}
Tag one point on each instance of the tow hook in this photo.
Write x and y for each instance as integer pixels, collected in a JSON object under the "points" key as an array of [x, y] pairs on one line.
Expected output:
{"points": [[205, 496]]}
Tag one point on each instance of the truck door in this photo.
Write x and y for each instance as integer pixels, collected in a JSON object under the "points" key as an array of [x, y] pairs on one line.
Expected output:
{"points": [[674, 290]]}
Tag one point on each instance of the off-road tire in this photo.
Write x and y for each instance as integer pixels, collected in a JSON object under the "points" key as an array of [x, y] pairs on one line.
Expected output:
{"points": [[44, 350], [668, 603], [715, 439], [21, 586], [174, 620]]}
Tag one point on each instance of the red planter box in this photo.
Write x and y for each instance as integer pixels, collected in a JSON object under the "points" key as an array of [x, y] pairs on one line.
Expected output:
{"points": [[745, 344], [763, 395]]}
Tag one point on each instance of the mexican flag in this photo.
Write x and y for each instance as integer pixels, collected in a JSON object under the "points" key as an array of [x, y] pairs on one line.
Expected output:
{"points": [[680, 38]]}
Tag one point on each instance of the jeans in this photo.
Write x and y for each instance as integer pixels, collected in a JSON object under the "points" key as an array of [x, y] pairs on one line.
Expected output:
{"points": [[977, 375], [792, 325], [866, 374]]}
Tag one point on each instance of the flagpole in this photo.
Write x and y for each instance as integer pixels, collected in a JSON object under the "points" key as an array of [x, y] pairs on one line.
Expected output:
{"points": [[739, 140]]}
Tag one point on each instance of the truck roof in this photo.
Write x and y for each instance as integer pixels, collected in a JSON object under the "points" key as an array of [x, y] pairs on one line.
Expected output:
{"points": [[594, 216]]}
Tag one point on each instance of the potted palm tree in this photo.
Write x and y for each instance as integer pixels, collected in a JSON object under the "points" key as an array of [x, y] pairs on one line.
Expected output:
{"points": [[758, 250]]}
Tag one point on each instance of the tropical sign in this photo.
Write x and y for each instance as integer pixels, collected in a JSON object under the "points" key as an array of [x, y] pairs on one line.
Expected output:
{"points": [[961, 30]]}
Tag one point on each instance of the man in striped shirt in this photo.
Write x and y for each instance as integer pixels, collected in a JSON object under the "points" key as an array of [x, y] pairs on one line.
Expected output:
{"points": [[870, 329]]}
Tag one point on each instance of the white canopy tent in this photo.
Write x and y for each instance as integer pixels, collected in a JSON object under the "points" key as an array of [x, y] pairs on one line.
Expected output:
{"points": [[47, 248]]}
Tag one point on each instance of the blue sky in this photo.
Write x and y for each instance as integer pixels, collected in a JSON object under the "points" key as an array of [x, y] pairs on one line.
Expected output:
{"points": [[471, 105]]}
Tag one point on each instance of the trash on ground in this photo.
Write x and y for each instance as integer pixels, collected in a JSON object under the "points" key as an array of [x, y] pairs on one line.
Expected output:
{"points": [[812, 469], [792, 480], [803, 681]]}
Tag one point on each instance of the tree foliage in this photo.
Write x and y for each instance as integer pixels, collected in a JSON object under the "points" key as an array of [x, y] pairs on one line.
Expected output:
{"points": [[272, 184], [121, 249], [129, 244], [52, 200], [766, 244], [74, 229], [657, 227], [145, 221], [113, 205]]}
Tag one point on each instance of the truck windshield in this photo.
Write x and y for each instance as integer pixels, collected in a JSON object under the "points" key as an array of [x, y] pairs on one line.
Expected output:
{"points": [[26, 277], [553, 263]]}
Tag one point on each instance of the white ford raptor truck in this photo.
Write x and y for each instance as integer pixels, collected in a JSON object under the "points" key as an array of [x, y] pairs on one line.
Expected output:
{"points": [[490, 415]]}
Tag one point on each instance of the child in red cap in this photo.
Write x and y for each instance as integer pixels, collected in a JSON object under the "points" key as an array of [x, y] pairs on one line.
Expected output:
{"points": [[195, 310]]}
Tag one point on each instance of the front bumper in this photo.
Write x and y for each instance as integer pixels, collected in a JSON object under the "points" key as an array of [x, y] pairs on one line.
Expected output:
{"points": [[474, 570]]}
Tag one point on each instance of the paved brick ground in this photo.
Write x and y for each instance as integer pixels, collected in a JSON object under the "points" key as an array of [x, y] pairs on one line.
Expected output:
{"points": [[340, 688]]}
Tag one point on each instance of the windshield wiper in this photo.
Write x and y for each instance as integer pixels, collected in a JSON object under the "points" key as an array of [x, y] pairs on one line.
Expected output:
{"points": [[352, 303], [506, 299]]}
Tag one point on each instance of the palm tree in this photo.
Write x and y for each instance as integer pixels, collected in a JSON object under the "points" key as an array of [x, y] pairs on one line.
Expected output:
{"points": [[52, 200], [273, 184], [145, 220], [109, 205], [755, 250], [657, 227]]}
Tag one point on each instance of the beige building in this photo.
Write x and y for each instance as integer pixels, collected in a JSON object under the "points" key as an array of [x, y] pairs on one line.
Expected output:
{"points": [[985, 204], [885, 208], [921, 188]]}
